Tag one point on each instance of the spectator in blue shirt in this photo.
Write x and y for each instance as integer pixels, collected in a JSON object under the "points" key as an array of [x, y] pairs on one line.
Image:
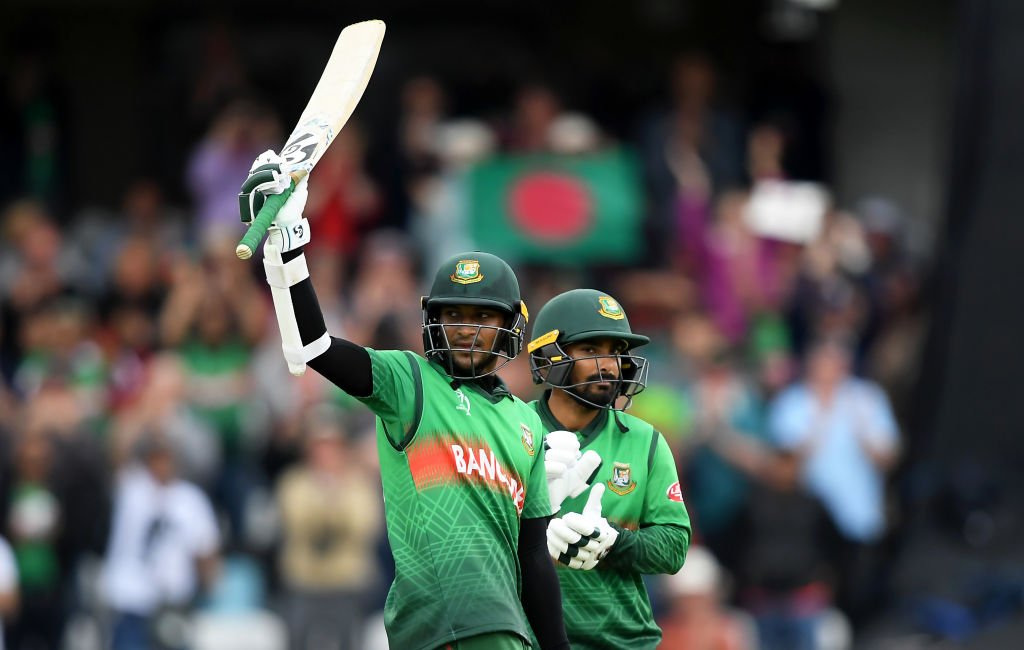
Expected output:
{"points": [[844, 430]]}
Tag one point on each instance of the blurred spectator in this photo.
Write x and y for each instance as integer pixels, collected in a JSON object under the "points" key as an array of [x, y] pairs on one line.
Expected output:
{"points": [[697, 618], [724, 407], [145, 219], [214, 317], [34, 138], [220, 162], [163, 548], [58, 346], [424, 106], [384, 287], [537, 108], [35, 267], [332, 513], [843, 430], [826, 298], [34, 521], [8, 586], [130, 309], [218, 73], [786, 568], [440, 219], [344, 202], [894, 358], [691, 151], [737, 271], [161, 404]]}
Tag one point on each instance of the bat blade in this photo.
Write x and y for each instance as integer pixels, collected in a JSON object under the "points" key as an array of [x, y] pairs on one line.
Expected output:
{"points": [[333, 100], [339, 90]]}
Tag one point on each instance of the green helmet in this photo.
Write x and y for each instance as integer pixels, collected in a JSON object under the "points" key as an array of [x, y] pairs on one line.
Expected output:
{"points": [[580, 315], [474, 278]]}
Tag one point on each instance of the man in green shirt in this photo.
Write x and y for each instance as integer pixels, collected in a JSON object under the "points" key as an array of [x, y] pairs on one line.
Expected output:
{"points": [[466, 500], [632, 521]]}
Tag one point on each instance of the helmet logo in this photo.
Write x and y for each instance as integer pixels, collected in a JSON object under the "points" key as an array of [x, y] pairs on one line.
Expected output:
{"points": [[610, 308], [467, 272]]}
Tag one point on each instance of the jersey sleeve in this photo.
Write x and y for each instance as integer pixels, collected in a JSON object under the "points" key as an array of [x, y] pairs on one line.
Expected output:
{"points": [[663, 501], [660, 544], [537, 502], [396, 391]]}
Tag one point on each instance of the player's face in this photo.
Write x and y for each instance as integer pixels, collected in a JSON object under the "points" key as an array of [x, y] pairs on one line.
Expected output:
{"points": [[600, 372], [471, 327]]}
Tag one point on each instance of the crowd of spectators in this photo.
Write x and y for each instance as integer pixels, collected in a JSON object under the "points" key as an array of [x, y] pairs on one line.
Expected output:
{"points": [[162, 475]]}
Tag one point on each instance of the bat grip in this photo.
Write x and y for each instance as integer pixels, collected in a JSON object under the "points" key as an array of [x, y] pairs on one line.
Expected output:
{"points": [[258, 228]]}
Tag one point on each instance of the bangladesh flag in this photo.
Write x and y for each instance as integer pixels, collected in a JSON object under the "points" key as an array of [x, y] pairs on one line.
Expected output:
{"points": [[558, 209]]}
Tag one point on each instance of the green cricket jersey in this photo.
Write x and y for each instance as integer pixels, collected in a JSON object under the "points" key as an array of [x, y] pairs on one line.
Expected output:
{"points": [[460, 468], [608, 606]]}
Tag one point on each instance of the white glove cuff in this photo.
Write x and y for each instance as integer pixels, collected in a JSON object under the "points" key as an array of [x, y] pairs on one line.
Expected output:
{"points": [[295, 235]]}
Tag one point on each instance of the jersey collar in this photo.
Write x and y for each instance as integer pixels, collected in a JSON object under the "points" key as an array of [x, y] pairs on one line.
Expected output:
{"points": [[589, 432]]}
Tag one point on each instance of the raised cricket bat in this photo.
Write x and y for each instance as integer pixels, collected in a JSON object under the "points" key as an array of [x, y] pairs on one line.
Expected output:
{"points": [[335, 97]]}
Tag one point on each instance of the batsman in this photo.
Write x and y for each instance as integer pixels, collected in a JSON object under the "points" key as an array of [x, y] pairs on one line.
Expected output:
{"points": [[466, 499], [632, 520]]}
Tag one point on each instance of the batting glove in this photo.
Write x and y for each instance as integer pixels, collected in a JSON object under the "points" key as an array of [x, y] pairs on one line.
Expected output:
{"points": [[266, 176], [581, 541], [568, 472]]}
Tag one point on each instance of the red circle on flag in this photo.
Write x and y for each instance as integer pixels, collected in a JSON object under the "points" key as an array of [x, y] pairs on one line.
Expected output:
{"points": [[551, 206]]}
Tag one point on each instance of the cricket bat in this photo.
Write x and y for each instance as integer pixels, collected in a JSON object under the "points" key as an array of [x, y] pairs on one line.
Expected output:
{"points": [[340, 87], [334, 99]]}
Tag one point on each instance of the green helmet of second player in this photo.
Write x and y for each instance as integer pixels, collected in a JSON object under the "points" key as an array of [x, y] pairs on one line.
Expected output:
{"points": [[481, 279], [581, 315]]}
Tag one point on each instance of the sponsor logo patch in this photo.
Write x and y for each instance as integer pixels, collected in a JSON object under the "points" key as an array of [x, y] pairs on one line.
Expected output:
{"points": [[467, 272], [674, 493]]}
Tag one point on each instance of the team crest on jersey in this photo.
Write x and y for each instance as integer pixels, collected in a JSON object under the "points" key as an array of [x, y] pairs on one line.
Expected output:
{"points": [[610, 308], [621, 481], [527, 438], [674, 493], [463, 404], [467, 272]]}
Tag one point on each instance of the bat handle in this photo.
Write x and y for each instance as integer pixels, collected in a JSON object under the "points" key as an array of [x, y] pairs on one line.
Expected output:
{"points": [[258, 228]]}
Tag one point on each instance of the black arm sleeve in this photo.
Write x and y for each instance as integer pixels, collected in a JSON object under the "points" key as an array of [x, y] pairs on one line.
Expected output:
{"points": [[542, 596], [345, 364]]}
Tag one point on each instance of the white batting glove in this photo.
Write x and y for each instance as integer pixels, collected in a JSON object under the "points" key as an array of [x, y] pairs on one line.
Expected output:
{"points": [[581, 541], [290, 229], [568, 472]]}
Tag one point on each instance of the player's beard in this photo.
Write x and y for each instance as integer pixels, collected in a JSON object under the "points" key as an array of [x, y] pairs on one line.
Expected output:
{"points": [[470, 364], [594, 393], [465, 364]]}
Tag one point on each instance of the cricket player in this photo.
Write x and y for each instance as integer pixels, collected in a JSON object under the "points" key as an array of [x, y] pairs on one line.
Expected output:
{"points": [[632, 520], [465, 489]]}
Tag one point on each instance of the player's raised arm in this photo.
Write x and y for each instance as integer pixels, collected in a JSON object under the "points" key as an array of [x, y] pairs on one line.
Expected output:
{"points": [[304, 336]]}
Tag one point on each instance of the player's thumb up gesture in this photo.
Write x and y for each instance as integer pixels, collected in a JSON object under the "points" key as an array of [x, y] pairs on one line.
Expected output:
{"points": [[581, 540]]}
